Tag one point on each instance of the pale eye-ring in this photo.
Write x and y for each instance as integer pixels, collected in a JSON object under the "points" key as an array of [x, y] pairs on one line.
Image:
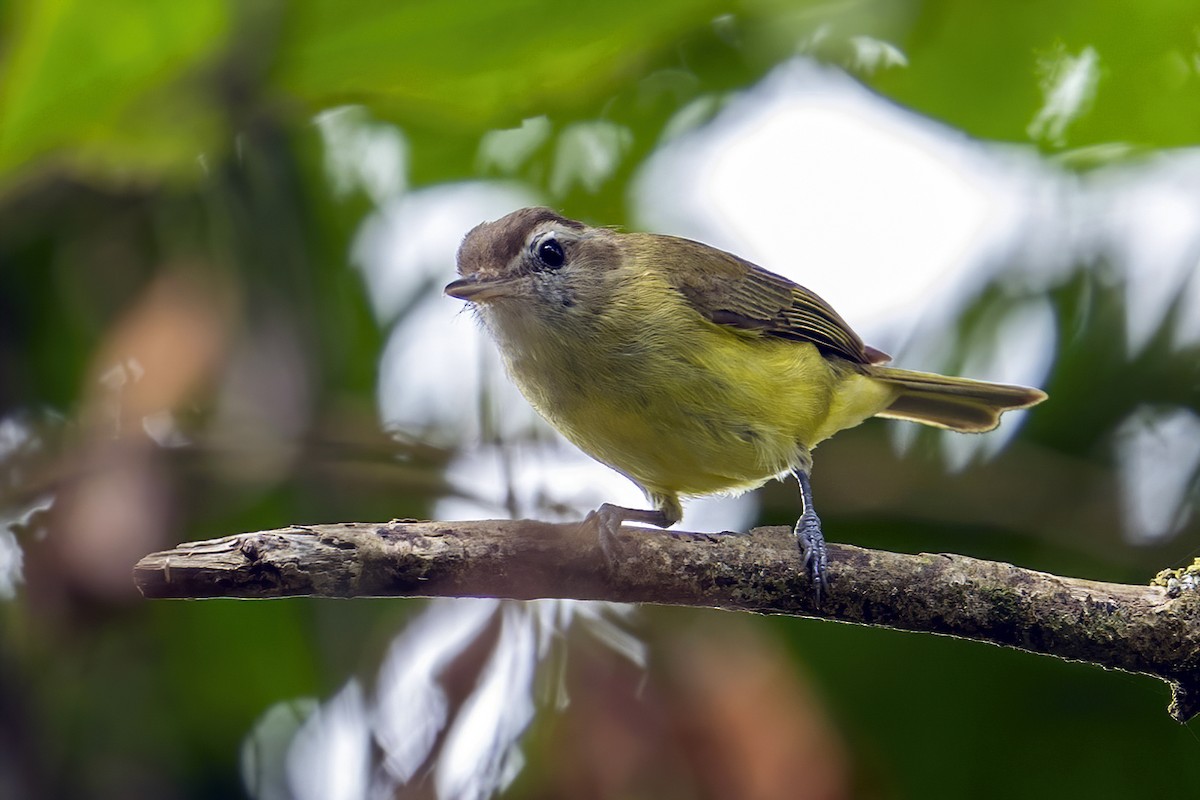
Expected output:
{"points": [[549, 252]]}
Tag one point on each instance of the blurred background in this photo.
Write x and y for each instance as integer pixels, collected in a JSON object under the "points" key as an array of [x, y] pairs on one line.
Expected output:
{"points": [[224, 229]]}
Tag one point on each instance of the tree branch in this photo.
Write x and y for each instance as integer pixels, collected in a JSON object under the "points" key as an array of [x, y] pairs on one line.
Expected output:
{"points": [[1137, 629]]}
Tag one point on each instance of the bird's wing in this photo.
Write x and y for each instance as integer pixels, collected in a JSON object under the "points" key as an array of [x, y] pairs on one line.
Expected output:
{"points": [[731, 291]]}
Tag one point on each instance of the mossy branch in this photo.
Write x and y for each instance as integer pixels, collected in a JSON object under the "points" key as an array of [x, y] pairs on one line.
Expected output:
{"points": [[1140, 629]]}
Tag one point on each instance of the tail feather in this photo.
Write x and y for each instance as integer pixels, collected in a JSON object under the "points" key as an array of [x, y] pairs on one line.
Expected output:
{"points": [[960, 404]]}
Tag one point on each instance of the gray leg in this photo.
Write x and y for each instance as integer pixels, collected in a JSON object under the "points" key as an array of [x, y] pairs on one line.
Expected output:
{"points": [[812, 540], [613, 516], [608, 519]]}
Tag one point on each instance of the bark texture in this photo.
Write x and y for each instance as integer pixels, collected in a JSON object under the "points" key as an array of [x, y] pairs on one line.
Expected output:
{"points": [[1140, 629]]}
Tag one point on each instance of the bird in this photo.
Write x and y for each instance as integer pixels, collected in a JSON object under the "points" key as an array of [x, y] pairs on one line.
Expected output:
{"points": [[688, 369]]}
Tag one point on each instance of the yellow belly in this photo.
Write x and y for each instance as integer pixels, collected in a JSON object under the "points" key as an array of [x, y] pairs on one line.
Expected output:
{"points": [[697, 408]]}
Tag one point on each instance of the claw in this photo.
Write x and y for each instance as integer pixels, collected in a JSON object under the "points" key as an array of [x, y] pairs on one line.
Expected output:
{"points": [[812, 549], [607, 521], [812, 540]]}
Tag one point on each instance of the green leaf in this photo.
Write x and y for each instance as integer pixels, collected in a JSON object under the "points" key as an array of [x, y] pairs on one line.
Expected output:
{"points": [[987, 66], [101, 84], [466, 63]]}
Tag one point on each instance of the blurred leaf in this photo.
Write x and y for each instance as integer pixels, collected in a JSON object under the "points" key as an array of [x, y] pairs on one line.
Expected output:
{"points": [[469, 63], [141, 141], [99, 82], [978, 66]]}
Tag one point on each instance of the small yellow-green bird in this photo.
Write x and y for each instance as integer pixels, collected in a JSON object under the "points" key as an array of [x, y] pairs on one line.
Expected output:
{"points": [[687, 369]]}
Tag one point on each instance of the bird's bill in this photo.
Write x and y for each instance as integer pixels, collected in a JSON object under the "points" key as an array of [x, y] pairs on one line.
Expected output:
{"points": [[475, 289]]}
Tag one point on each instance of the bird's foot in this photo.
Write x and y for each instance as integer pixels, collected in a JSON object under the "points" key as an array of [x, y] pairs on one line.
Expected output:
{"points": [[812, 549], [607, 519]]}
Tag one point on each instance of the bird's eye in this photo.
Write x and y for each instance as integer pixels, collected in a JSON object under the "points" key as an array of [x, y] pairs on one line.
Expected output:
{"points": [[550, 252]]}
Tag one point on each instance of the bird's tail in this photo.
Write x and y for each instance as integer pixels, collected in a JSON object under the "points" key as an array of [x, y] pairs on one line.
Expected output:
{"points": [[959, 404]]}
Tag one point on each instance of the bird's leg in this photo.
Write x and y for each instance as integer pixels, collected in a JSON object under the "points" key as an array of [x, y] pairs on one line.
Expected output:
{"points": [[812, 540], [608, 519]]}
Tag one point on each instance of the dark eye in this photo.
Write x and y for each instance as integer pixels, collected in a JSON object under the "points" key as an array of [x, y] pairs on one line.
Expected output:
{"points": [[550, 252]]}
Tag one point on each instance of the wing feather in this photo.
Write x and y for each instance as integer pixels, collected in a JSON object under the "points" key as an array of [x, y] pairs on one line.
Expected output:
{"points": [[732, 291]]}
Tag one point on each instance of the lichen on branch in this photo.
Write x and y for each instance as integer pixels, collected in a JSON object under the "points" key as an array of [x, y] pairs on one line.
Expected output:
{"points": [[1140, 629]]}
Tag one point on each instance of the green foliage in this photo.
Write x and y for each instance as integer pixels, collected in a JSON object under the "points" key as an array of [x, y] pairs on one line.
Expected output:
{"points": [[110, 87], [470, 65], [162, 180], [982, 67]]}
